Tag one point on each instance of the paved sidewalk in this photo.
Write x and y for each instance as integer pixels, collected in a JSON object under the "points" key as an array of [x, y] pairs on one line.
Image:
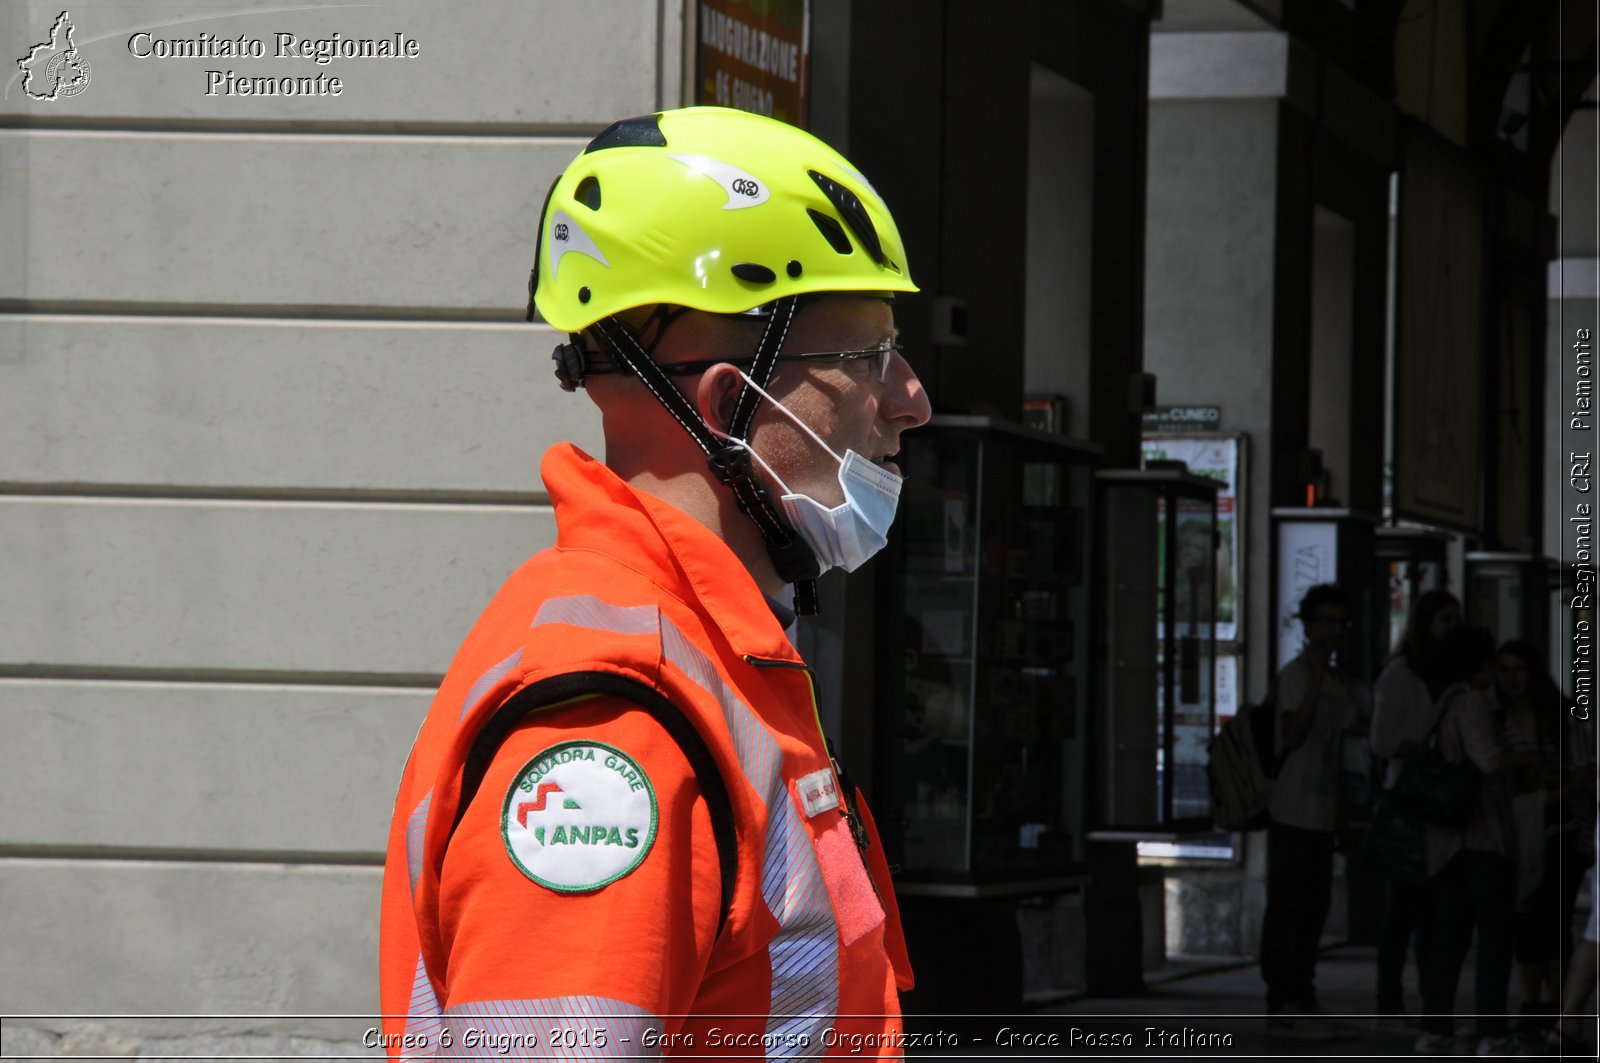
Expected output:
{"points": [[1196, 1009]]}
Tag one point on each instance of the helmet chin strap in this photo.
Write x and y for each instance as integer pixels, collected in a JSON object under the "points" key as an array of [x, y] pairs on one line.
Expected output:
{"points": [[791, 557]]}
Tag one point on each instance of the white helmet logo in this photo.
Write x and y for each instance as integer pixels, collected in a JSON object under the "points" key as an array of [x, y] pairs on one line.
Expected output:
{"points": [[742, 188], [567, 235]]}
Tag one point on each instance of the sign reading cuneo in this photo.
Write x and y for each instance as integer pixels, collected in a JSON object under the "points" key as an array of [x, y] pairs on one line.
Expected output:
{"points": [[754, 55], [1182, 419]]}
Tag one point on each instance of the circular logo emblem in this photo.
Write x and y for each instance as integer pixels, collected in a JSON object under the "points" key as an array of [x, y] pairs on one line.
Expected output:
{"points": [[579, 816], [68, 72]]}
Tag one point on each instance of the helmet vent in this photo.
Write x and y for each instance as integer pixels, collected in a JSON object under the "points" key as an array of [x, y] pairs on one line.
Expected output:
{"points": [[854, 214], [588, 193], [641, 132], [754, 272], [832, 231], [794, 267]]}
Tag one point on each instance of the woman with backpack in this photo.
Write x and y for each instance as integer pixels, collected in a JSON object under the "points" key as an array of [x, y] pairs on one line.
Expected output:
{"points": [[1402, 712]]}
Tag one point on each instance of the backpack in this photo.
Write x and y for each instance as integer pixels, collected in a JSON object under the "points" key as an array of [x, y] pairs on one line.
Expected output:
{"points": [[1241, 765]]}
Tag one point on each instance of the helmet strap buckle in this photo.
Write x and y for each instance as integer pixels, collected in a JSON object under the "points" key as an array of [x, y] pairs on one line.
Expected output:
{"points": [[570, 368], [731, 463]]}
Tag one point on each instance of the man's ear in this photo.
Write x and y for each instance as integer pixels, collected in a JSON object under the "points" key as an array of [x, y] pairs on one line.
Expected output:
{"points": [[717, 393]]}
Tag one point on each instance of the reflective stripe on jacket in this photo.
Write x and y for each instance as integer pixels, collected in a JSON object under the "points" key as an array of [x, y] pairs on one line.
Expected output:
{"points": [[475, 950]]}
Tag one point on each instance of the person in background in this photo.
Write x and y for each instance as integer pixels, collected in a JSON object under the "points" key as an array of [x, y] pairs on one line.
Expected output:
{"points": [[1402, 712], [1567, 1039], [1553, 805], [1471, 865], [1316, 702]]}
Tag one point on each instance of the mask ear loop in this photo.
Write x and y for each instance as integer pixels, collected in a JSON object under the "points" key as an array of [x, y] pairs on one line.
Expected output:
{"points": [[807, 429], [791, 557]]}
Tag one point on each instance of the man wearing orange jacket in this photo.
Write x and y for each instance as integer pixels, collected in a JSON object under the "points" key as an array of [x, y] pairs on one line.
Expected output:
{"points": [[621, 831]]}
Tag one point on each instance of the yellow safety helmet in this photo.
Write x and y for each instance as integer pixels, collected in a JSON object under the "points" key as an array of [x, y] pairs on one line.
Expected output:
{"points": [[709, 208]]}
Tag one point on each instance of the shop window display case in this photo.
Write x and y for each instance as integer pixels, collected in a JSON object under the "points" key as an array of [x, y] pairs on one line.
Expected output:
{"points": [[1510, 593], [1411, 561], [986, 606], [1156, 646]]}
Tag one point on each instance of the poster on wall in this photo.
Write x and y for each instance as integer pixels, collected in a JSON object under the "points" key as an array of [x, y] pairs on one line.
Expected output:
{"points": [[1220, 458], [1307, 555], [755, 55]]}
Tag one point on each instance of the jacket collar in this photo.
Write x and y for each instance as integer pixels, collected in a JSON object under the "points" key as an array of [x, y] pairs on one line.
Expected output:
{"points": [[597, 510]]}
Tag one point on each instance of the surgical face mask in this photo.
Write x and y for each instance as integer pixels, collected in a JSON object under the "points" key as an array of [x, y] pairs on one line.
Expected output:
{"points": [[849, 533]]}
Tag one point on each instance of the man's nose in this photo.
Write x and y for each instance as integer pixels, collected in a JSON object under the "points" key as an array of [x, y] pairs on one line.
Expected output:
{"points": [[905, 401]]}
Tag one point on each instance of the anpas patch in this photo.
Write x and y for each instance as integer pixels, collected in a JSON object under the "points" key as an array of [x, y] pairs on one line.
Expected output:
{"points": [[579, 816]]}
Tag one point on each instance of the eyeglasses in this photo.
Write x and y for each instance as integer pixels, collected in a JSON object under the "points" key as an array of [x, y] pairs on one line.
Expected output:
{"points": [[883, 354]]}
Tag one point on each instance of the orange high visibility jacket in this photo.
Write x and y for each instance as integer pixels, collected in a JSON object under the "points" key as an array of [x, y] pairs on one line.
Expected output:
{"points": [[554, 882]]}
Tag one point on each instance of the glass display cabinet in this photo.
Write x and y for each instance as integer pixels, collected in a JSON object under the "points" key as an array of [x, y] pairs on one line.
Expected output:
{"points": [[1156, 648], [985, 603], [1412, 561], [1510, 594]]}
